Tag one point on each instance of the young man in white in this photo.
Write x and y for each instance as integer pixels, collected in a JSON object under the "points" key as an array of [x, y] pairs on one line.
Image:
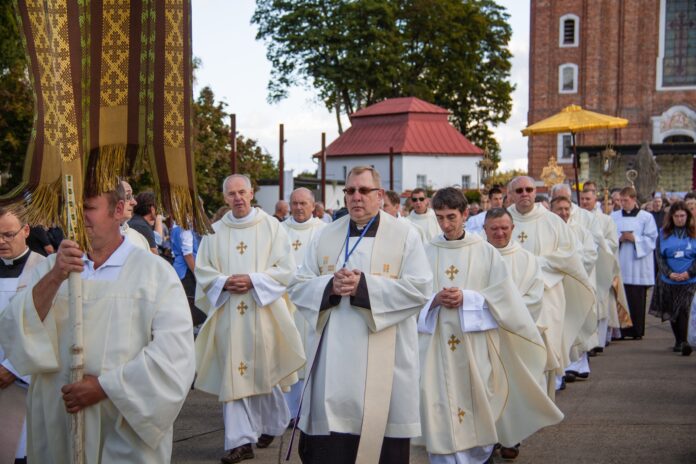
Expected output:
{"points": [[421, 215]]}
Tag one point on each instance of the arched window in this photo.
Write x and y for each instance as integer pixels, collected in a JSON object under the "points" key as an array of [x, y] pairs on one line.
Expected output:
{"points": [[568, 78], [676, 61], [678, 139], [568, 31]]}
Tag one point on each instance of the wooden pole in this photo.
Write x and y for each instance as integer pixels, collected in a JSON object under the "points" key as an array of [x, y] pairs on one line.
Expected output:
{"points": [[323, 168], [281, 163], [233, 143], [576, 163], [77, 361], [391, 168]]}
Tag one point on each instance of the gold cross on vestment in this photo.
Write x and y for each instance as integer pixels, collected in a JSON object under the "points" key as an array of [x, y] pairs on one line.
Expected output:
{"points": [[242, 307], [451, 272], [385, 268], [241, 248], [296, 244], [460, 414], [453, 342], [242, 368], [522, 237]]}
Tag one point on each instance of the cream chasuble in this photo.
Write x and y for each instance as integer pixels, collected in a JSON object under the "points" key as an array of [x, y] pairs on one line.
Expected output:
{"points": [[526, 273], [138, 340], [568, 294], [245, 346], [300, 235], [427, 223], [135, 237], [482, 365], [398, 282]]}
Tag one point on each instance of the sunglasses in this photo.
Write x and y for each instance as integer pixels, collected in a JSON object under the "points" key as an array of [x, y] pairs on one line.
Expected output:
{"points": [[418, 200], [361, 190], [524, 189]]}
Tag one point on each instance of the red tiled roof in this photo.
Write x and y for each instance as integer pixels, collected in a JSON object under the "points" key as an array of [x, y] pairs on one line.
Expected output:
{"points": [[408, 125]]}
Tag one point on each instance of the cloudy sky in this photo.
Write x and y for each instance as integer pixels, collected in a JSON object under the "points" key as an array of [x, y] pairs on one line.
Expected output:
{"points": [[234, 65]]}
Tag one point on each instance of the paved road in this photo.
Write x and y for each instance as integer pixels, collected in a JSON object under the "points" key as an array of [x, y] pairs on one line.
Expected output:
{"points": [[639, 406]]}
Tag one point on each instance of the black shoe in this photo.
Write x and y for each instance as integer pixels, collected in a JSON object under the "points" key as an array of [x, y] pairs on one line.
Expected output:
{"points": [[264, 441], [510, 454], [563, 384], [569, 377], [238, 454], [677, 348], [578, 375], [598, 349], [592, 353], [685, 349], [639, 337]]}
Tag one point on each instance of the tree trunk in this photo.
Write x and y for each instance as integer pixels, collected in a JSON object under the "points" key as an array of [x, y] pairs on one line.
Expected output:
{"points": [[337, 108]]}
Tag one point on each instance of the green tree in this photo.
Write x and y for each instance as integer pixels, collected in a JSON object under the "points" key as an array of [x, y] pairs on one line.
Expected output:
{"points": [[503, 178], [355, 53], [16, 99]]}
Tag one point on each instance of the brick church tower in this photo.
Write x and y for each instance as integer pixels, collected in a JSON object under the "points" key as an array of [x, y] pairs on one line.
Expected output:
{"points": [[635, 59]]}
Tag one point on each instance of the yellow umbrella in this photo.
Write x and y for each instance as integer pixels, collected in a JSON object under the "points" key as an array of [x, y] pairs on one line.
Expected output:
{"points": [[574, 119]]}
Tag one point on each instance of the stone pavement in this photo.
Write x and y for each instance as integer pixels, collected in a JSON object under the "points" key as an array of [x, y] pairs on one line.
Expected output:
{"points": [[638, 406]]}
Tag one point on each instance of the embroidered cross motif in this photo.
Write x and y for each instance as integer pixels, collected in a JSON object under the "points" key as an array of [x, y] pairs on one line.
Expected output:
{"points": [[242, 368], [453, 342], [460, 414], [296, 244], [241, 248], [451, 272], [522, 237], [385, 269], [242, 307]]}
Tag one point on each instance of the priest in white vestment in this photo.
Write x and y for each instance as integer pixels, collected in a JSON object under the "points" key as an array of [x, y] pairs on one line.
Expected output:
{"points": [[249, 343], [361, 285], [637, 235], [138, 346], [568, 294], [482, 357], [300, 227], [391, 204], [587, 248], [422, 216], [135, 237], [495, 200], [16, 260]]}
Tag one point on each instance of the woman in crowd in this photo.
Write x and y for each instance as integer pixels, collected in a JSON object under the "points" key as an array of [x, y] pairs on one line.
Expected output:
{"points": [[676, 284]]}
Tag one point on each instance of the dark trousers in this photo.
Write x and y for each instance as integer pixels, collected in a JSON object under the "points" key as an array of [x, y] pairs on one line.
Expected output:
{"points": [[342, 448], [680, 327], [189, 283], [636, 296]]}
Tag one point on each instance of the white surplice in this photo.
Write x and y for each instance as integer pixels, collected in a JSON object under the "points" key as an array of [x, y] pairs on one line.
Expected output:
{"points": [[138, 341], [475, 223], [427, 222], [482, 365], [334, 401], [636, 259]]}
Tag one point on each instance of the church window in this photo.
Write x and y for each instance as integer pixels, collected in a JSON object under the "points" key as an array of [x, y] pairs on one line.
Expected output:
{"points": [[564, 152], [677, 59], [421, 181], [568, 78], [568, 31], [466, 182]]}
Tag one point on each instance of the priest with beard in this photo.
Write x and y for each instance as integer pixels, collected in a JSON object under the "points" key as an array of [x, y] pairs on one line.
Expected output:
{"points": [[16, 260], [422, 216], [362, 282], [568, 295], [482, 357], [301, 227]]}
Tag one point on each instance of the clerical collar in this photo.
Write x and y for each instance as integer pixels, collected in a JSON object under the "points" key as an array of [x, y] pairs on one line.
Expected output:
{"points": [[291, 220], [19, 260], [460, 238], [356, 231], [242, 220], [633, 213]]}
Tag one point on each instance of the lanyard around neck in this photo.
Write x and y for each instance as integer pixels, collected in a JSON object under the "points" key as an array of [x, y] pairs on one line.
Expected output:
{"points": [[362, 234]]}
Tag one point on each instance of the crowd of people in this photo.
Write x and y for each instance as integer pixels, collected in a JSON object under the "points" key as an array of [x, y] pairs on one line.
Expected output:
{"points": [[397, 320]]}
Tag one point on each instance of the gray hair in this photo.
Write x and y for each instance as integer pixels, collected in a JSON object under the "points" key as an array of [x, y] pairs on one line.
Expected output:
{"points": [[560, 190], [247, 181], [495, 213], [517, 179], [303, 190]]}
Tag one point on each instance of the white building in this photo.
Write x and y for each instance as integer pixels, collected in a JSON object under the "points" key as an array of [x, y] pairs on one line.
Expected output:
{"points": [[427, 150]]}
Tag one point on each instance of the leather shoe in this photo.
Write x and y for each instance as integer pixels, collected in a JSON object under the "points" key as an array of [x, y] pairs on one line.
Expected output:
{"points": [[685, 349], [578, 375], [563, 384], [569, 377], [238, 454], [509, 454], [677, 348], [264, 441]]}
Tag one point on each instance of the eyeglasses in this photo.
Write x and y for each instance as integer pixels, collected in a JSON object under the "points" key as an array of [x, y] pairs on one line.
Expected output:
{"points": [[418, 200], [129, 197], [524, 189], [361, 190], [7, 236]]}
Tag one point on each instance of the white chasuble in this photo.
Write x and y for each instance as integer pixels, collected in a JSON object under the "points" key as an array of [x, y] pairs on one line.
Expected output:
{"points": [[480, 383], [398, 282], [138, 340], [427, 223], [135, 237], [568, 294], [636, 259], [526, 273], [300, 235], [249, 342]]}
